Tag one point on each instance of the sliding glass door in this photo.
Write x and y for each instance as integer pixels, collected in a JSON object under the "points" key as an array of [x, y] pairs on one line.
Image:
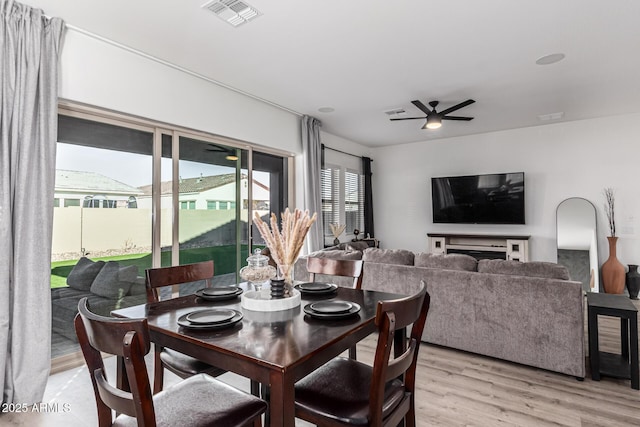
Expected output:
{"points": [[136, 195]]}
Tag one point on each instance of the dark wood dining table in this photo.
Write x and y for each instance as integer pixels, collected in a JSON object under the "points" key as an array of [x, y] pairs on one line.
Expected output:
{"points": [[275, 348]]}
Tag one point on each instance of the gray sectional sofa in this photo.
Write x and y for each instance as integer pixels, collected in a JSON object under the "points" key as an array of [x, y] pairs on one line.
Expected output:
{"points": [[528, 313], [108, 286]]}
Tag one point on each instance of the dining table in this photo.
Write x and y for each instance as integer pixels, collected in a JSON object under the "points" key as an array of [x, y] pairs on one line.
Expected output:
{"points": [[274, 348]]}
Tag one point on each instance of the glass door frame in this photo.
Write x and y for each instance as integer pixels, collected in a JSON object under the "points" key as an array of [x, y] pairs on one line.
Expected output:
{"points": [[158, 129]]}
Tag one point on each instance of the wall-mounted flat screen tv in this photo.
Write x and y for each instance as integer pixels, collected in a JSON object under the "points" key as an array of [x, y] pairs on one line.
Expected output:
{"points": [[479, 199]]}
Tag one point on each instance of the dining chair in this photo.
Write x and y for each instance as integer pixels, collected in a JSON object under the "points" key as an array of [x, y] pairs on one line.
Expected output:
{"points": [[345, 392], [180, 364], [336, 267], [199, 400]]}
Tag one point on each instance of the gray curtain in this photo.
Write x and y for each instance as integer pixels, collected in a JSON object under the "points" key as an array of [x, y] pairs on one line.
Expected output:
{"points": [[312, 153], [30, 43]]}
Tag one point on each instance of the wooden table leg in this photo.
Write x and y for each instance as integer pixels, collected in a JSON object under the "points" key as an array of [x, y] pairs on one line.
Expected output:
{"points": [[624, 337], [594, 356], [635, 374], [281, 400]]}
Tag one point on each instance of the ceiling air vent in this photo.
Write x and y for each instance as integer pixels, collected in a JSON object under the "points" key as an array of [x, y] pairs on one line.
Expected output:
{"points": [[234, 12], [396, 112]]}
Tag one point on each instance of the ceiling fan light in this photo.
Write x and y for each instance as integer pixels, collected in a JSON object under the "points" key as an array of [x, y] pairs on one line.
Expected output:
{"points": [[433, 122]]}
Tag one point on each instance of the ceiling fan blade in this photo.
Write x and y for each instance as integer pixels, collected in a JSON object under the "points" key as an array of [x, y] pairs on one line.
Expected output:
{"points": [[422, 107], [457, 107], [466, 119], [410, 118]]}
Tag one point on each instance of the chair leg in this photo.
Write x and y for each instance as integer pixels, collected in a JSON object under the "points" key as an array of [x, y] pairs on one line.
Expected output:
{"points": [[266, 396], [255, 388], [352, 353], [158, 372]]}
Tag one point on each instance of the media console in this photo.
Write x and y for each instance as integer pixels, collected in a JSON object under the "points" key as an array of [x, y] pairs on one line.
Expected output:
{"points": [[481, 246]]}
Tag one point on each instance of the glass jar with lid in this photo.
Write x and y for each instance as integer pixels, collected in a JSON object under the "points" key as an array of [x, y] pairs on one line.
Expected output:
{"points": [[257, 272]]}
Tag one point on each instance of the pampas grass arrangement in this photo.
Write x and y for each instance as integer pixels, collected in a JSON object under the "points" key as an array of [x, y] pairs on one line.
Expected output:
{"points": [[285, 243], [337, 229]]}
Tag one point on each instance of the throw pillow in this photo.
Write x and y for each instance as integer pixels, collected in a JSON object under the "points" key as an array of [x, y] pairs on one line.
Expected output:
{"points": [[546, 270], [447, 261], [114, 281], [83, 273], [388, 256]]}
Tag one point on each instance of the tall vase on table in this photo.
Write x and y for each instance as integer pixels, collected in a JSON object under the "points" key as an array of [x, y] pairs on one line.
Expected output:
{"points": [[284, 244], [613, 272]]}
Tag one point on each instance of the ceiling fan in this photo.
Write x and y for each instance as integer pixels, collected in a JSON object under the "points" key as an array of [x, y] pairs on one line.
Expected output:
{"points": [[231, 153], [434, 118]]}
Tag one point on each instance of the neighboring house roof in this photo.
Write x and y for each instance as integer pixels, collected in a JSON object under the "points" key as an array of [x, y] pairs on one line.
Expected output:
{"points": [[91, 183], [197, 185]]}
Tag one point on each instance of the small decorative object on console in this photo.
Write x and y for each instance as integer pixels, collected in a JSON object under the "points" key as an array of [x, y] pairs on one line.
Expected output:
{"points": [[336, 231], [633, 281]]}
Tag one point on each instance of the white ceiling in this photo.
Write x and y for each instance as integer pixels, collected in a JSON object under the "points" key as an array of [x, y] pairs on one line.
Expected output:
{"points": [[363, 57]]}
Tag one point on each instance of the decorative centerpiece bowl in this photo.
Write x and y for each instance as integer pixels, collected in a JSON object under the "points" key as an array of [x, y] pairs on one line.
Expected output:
{"points": [[262, 301]]}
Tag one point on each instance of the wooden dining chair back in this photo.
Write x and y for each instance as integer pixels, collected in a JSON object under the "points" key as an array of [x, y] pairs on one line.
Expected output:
{"points": [[336, 267], [180, 364], [162, 277], [392, 316], [345, 392], [129, 339]]}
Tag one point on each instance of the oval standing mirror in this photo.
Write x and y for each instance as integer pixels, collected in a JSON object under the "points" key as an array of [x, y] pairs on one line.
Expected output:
{"points": [[577, 241]]}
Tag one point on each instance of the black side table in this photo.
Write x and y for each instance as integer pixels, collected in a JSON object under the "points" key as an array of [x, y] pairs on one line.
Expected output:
{"points": [[623, 365]]}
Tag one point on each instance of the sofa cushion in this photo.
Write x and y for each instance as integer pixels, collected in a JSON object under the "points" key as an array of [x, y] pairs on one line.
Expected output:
{"points": [[446, 261], [388, 256], [352, 255], [114, 281], [83, 273], [356, 246], [547, 270]]}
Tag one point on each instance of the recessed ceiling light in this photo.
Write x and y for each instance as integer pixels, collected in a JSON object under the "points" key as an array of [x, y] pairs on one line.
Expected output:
{"points": [[550, 59], [326, 109]]}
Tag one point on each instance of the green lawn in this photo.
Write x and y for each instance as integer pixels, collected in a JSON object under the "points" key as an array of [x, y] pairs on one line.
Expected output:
{"points": [[224, 258]]}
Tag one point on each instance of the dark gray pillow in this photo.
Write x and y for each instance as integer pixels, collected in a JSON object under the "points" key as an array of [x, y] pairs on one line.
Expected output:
{"points": [[447, 261], [388, 256], [546, 270], [114, 281], [83, 273]]}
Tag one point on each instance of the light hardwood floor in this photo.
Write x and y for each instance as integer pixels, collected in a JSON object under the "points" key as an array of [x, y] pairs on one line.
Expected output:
{"points": [[454, 389]]}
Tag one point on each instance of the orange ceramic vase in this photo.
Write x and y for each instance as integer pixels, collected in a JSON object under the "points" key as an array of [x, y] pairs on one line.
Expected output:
{"points": [[613, 272]]}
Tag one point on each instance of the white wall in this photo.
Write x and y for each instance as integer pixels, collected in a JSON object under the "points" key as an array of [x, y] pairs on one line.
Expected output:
{"points": [[573, 159], [100, 74]]}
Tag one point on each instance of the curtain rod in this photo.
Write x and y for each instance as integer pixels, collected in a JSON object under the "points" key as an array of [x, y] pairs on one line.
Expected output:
{"points": [[343, 152], [175, 67]]}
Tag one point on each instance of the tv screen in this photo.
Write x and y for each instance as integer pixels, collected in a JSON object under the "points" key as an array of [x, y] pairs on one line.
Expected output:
{"points": [[479, 199]]}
